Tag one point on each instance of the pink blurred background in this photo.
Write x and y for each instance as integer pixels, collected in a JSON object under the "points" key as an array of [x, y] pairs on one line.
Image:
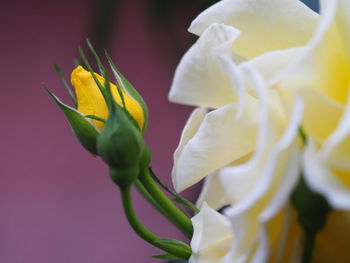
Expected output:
{"points": [[57, 203]]}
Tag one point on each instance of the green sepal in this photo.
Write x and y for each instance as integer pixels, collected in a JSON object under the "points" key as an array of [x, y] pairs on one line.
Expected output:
{"points": [[108, 99], [312, 207], [121, 146], [176, 197], [165, 256], [175, 243], [84, 130], [65, 83], [96, 118], [130, 90]]}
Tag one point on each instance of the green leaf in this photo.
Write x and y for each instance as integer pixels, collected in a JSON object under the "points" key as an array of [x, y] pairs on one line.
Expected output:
{"points": [[85, 132], [71, 94], [177, 197], [165, 256], [129, 89]]}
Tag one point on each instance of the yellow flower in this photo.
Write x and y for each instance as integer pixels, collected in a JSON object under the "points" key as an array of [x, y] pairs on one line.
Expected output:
{"points": [[91, 102]]}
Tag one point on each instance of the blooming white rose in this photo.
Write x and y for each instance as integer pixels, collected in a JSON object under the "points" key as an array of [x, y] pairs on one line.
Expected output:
{"points": [[299, 55]]}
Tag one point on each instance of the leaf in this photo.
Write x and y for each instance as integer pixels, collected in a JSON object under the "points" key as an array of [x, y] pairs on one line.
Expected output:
{"points": [[177, 197], [83, 129], [126, 85], [71, 94]]}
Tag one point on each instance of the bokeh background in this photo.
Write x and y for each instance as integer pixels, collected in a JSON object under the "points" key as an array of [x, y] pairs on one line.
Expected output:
{"points": [[57, 203]]}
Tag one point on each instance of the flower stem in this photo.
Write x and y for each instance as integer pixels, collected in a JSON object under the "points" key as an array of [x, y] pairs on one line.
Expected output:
{"points": [[145, 233], [310, 238], [313, 210], [172, 212], [147, 196]]}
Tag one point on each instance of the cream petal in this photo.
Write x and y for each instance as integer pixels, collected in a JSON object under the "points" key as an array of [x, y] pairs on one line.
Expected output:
{"points": [[212, 236], [337, 147], [224, 136], [321, 115], [206, 75], [343, 22], [190, 129], [320, 178], [264, 24], [273, 63], [238, 181], [327, 169], [324, 63], [262, 186], [213, 193]]}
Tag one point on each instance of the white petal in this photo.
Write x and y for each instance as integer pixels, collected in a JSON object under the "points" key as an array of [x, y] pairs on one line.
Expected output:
{"points": [[337, 148], [212, 236], [343, 20], [321, 179], [321, 115], [213, 193], [323, 64], [264, 24], [327, 170], [222, 138], [204, 77], [190, 129], [262, 186], [273, 63]]}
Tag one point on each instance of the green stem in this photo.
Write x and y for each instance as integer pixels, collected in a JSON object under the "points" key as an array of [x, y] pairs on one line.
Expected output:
{"points": [[173, 213], [310, 238], [147, 196], [145, 233]]}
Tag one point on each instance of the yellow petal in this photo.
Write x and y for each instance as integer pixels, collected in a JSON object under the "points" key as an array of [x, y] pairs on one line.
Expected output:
{"points": [[343, 20], [331, 65], [90, 99], [324, 65], [316, 104]]}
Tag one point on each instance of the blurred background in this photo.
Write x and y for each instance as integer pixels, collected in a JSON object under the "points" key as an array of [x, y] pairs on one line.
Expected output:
{"points": [[57, 203]]}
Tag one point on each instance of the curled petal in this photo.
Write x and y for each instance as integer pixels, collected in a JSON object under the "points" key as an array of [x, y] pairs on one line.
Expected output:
{"points": [[343, 22], [262, 186], [223, 137], [204, 77], [317, 104], [327, 168], [212, 236], [264, 24], [213, 193]]}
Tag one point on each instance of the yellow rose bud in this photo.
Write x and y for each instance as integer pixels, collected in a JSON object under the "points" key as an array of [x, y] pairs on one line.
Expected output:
{"points": [[91, 102]]}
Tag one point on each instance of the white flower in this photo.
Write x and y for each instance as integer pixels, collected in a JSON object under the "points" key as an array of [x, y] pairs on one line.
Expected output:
{"points": [[265, 67]]}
